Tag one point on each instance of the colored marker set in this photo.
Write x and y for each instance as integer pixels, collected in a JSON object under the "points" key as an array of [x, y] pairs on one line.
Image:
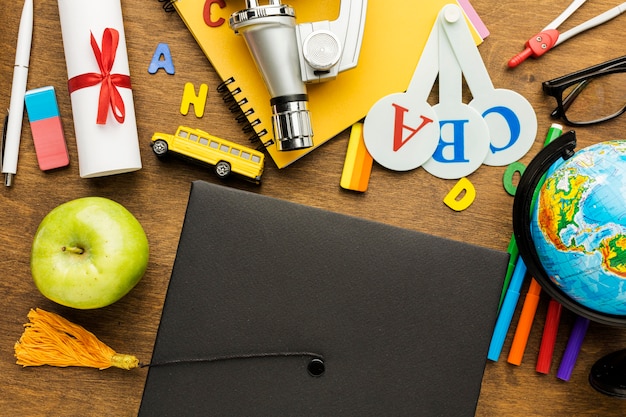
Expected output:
{"points": [[508, 303], [548, 339]]}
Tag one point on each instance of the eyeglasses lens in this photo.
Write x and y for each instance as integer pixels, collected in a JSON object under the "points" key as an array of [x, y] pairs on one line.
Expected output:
{"points": [[596, 98]]}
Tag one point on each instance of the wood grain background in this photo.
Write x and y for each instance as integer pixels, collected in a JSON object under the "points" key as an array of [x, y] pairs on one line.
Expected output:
{"points": [[158, 193]]}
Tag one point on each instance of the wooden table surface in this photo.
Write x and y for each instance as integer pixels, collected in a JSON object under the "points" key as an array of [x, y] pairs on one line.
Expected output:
{"points": [[157, 195]]}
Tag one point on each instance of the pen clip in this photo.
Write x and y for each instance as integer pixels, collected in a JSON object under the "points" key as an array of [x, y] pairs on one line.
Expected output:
{"points": [[3, 139]]}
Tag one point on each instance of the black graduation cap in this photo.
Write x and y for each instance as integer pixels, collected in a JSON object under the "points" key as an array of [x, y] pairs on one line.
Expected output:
{"points": [[279, 309]]}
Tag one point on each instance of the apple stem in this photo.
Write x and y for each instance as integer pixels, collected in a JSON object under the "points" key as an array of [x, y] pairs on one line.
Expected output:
{"points": [[73, 249]]}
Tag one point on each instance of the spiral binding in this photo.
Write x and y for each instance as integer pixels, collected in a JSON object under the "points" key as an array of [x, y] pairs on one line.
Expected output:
{"points": [[243, 117], [168, 5]]}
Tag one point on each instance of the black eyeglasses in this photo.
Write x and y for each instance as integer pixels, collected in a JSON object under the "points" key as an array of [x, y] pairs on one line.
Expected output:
{"points": [[591, 95]]}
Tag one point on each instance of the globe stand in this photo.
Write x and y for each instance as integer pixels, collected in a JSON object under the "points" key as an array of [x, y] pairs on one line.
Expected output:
{"points": [[608, 374]]}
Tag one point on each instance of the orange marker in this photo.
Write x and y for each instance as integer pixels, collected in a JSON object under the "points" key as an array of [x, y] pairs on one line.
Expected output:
{"points": [[525, 323], [358, 164]]}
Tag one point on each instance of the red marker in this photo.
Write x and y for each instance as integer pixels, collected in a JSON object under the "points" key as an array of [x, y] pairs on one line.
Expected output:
{"points": [[548, 339]]}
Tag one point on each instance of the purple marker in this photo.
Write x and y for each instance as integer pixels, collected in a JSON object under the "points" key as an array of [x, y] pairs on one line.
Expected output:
{"points": [[574, 343]]}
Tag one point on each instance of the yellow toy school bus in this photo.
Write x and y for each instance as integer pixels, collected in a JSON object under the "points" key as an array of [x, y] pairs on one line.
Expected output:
{"points": [[227, 157]]}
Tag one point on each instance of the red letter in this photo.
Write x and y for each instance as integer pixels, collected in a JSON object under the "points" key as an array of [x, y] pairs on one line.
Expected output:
{"points": [[206, 14], [399, 127]]}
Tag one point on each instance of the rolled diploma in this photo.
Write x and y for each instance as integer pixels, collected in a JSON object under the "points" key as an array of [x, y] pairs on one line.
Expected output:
{"points": [[111, 148]]}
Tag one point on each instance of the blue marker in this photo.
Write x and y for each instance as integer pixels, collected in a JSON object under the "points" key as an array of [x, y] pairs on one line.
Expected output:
{"points": [[506, 311]]}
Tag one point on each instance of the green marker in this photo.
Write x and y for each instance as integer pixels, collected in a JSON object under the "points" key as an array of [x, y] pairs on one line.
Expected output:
{"points": [[554, 132], [513, 255]]}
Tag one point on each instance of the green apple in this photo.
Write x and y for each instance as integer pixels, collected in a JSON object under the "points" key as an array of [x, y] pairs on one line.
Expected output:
{"points": [[88, 253]]}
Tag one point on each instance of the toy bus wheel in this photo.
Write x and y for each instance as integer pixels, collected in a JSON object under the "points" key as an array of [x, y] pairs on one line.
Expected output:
{"points": [[222, 169], [159, 147]]}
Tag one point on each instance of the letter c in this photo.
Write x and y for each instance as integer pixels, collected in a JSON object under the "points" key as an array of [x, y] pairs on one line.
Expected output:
{"points": [[206, 13], [511, 119]]}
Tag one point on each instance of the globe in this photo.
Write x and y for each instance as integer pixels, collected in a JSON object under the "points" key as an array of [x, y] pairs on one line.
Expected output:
{"points": [[578, 227]]}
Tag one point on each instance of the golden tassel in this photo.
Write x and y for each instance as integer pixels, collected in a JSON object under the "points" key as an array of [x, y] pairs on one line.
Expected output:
{"points": [[49, 339]]}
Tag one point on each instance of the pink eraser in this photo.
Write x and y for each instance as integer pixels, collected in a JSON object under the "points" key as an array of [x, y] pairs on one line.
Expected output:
{"points": [[45, 124]]}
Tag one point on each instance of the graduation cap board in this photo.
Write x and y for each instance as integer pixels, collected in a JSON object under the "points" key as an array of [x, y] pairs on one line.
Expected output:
{"points": [[279, 309]]}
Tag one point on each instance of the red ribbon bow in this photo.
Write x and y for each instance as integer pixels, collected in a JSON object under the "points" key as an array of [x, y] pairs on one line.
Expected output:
{"points": [[109, 94]]}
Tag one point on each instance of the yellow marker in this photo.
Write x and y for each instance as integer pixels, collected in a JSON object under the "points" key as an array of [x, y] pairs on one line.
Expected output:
{"points": [[358, 164], [190, 97], [461, 196]]}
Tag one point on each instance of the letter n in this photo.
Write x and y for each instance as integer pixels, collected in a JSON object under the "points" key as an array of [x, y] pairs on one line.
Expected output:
{"points": [[190, 97]]}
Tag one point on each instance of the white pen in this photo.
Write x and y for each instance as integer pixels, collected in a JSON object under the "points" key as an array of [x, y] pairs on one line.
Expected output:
{"points": [[18, 89]]}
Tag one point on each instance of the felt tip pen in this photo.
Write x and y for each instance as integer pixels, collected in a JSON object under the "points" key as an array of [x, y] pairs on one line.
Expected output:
{"points": [[553, 316], [525, 323], [548, 338], [18, 90], [506, 312], [509, 304], [554, 132], [513, 255], [520, 339], [574, 343]]}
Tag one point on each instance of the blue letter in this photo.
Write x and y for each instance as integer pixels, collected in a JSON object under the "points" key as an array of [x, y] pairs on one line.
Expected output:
{"points": [[162, 50], [458, 142], [511, 119]]}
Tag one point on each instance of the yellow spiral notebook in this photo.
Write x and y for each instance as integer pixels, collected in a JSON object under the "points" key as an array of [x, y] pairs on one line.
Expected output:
{"points": [[395, 34]]}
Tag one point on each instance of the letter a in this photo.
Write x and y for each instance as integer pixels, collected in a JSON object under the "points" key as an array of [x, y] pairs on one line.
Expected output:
{"points": [[399, 126], [190, 97], [162, 50]]}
